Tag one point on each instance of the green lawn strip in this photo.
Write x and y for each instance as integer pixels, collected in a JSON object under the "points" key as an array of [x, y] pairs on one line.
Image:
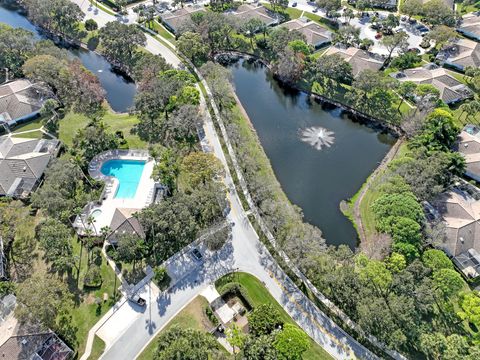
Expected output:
{"points": [[259, 295], [73, 122], [104, 7], [31, 125], [464, 9], [32, 135], [365, 207], [97, 348], [160, 30], [290, 13], [192, 316], [86, 312]]}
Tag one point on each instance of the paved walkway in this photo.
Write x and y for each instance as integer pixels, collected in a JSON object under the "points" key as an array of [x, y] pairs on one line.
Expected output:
{"points": [[244, 252]]}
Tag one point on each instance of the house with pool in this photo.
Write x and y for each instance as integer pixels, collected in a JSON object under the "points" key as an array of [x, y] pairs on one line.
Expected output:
{"points": [[129, 187]]}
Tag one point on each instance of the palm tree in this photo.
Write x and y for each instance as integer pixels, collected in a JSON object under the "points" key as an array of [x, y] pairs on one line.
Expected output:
{"points": [[79, 160]]}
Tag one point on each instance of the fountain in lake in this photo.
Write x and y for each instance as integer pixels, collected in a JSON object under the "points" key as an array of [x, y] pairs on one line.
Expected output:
{"points": [[318, 137]]}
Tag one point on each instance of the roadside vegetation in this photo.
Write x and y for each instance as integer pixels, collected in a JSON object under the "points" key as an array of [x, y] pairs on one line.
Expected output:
{"points": [[410, 297], [264, 337]]}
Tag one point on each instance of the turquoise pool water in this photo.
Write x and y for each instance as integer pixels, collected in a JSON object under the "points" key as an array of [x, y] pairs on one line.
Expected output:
{"points": [[128, 173]]}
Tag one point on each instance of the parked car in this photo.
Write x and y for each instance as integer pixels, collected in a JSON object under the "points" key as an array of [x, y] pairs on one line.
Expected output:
{"points": [[315, 10], [197, 255], [378, 36], [414, 50], [422, 28], [294, 4], [137, 299]]}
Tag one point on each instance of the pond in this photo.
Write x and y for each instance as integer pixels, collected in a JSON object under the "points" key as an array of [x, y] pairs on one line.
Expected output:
{"points": [[315, 175], [120, 91]]}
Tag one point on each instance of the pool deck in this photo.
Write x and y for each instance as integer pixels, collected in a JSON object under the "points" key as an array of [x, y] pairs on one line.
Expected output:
{"points": [[108, 203]]}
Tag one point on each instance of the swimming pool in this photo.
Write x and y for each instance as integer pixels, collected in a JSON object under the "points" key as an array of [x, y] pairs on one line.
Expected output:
{"points": [[128, 173]]}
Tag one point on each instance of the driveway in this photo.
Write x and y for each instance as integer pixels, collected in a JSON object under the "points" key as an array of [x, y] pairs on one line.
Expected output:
{"points": [[130, 328]]}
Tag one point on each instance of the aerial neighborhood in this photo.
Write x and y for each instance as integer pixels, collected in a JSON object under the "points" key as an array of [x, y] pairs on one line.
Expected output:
{"points": [[222, 179]]}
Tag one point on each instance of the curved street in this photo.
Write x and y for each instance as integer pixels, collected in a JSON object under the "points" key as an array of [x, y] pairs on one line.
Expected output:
{"points": [[127, 329]]}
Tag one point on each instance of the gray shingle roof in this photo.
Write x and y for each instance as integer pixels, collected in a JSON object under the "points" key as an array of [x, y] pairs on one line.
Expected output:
{"points": [[461, 53], [451, 90], [314, 33], [123, 223], [470, 25], [21, 98], [45, 346], [359, 59], [22, 163]]}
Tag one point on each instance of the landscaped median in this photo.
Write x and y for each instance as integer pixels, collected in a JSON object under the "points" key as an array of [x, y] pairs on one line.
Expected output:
{"points": [[194, 315]]}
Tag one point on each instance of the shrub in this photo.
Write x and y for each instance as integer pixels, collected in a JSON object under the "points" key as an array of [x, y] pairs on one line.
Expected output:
{"points": [[161, 277], [93, 277], [91, 25], [211, 316]]}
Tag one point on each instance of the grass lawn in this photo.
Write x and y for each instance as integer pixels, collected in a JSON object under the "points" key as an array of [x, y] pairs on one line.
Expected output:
{"points": [[72, 122], [160, 29], [290, 13], [86, 312], [464, 9], [103, 7], [32, 135], [259, 295], [97, 348], [192, 316], [32, 125]]}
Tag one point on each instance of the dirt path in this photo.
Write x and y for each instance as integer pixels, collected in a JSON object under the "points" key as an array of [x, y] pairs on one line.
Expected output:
{"points": [[364, 240]]}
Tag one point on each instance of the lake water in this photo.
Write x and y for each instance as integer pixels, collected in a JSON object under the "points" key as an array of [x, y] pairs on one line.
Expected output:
{"points": [[120, 91], [315, 180]]}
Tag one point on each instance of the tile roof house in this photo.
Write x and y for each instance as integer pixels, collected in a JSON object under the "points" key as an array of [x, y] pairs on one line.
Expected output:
{"points": [[469, 146], [247, 12], [460, 54], [41, 346], [358, 58], [451, 90], [20, 100], [316, 35], [461, 214], [22, 164], [174, 20], [470, 25], [123, 222]]}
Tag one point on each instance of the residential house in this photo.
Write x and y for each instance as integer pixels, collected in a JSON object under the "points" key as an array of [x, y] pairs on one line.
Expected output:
{"points": [[20, 101], [461, 53], [124, 223], [359, 59], [41, 346], [247, 12], [22, 164], [174, 20], [451, 90], [316, 35], [460, 213], [470, 25], [469, 146]]}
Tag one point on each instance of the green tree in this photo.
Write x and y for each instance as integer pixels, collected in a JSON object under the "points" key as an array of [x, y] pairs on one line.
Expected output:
{"points": [[374, 272], [436, 260], [94, 139], [396, 262], [16, 46], [166, 169], [120, 43], [264, 320], [411, 7], [330, 69], [398, 40], [329, 5], [185, 344], [448, 282], [347, 35], [41, 299], [249, 28], [436, 12], [200, 168], [61, 17], [193, 47], [161, 277], [442, 34], [235, 337], [260, 348], [55, 240], [299, 46], [291, 342], [470, 304], [130, 249], [406, 230], [91, 25], [439, 131], [390, 206]]}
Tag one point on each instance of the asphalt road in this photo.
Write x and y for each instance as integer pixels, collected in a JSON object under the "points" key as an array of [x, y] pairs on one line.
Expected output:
{"points": [[130, 328]]}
